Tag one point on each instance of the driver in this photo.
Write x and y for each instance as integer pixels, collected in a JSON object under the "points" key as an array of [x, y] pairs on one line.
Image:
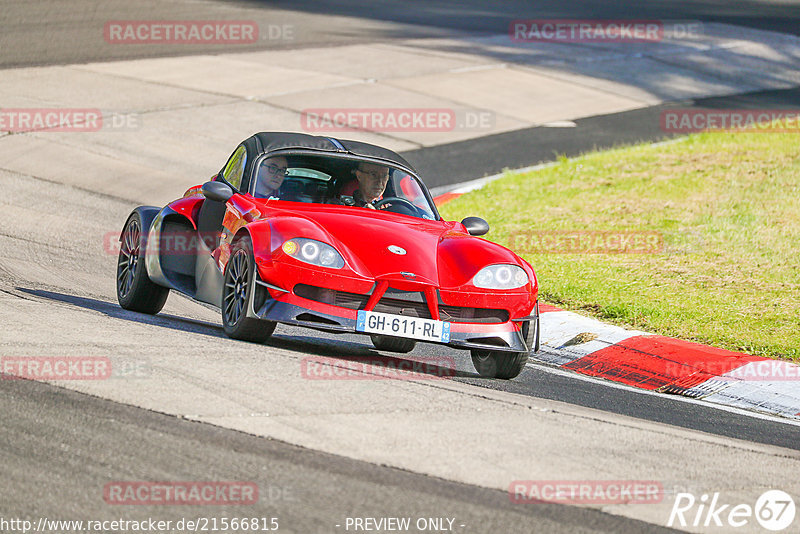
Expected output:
{"points": [[271, 174], [372, 179]]}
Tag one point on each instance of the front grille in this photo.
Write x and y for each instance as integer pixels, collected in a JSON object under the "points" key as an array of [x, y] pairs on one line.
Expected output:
{"points": [[412, 306], [342, 299], [403, 307], [457, 314]]}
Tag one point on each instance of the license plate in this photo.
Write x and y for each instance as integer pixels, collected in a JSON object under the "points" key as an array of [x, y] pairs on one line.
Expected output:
{"points": [[402, 326]]}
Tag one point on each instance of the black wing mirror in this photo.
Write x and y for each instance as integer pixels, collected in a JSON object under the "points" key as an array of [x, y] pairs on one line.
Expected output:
{"points": [[475, 225], [217, 191]]}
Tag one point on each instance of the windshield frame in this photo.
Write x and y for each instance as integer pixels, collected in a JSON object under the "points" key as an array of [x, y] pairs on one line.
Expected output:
{"points": [[344, 156]]}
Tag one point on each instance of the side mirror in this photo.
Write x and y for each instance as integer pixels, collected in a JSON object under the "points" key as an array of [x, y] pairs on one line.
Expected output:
{"points": [[475, 225], [217, 191]]}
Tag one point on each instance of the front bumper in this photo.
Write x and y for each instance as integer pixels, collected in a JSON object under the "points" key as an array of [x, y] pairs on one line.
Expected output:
{"points": [[288, 308]]}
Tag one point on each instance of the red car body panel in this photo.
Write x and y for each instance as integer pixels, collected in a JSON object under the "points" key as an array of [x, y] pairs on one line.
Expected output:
{"points": [[440, 254]]}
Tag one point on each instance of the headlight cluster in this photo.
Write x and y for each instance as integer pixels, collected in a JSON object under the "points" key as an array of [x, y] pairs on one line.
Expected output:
{"points": [[500, 276], [313, 252]]}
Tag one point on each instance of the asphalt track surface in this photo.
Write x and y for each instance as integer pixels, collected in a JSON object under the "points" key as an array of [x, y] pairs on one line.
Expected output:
{"points": [[51, 32], [100, 440], [307, 491]]}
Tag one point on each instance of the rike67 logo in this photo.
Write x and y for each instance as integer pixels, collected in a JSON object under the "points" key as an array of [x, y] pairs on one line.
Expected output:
{"points": [[774, 510]]}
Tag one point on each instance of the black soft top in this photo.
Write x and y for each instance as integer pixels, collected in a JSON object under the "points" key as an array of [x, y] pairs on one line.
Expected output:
{"points": [[267, 142]]}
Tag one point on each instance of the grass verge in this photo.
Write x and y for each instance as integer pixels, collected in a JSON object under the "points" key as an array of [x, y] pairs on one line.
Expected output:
{"points": [[727, 206]]}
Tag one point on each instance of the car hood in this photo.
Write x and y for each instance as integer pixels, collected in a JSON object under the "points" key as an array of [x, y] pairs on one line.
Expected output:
{"points": [[440, 253]]}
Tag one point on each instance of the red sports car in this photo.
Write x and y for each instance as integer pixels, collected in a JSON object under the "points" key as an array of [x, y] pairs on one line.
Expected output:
{"points": [[335, 235]]}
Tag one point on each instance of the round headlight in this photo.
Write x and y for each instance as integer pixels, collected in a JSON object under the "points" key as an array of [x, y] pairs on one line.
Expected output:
{"points": [[290, 247], [503, 275], [328, 257], [483, 278], [314, 252], [500, 276], [310, 250]]}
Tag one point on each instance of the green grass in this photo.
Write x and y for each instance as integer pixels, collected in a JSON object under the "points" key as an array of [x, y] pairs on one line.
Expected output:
{"points": [[728, 208]]}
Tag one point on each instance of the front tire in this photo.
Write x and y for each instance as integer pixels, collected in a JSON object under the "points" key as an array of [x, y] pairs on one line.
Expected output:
{"points": [[236, 297], [392, 344], [497, 364], [135, 290], [507, 365]]}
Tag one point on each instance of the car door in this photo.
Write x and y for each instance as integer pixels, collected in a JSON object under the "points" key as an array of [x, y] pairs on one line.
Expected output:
{"points": [[215, 221]]}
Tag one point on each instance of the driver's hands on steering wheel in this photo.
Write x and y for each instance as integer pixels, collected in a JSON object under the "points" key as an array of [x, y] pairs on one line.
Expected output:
{"points": [[399, 202]]}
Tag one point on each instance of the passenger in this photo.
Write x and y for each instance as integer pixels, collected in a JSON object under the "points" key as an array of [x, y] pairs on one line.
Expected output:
{"points": [[271, 174]]}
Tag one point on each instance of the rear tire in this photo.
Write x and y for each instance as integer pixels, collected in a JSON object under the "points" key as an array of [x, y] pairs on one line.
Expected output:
{"points": [[135, 290], [392, 344], [236, 297], [507, 365]]}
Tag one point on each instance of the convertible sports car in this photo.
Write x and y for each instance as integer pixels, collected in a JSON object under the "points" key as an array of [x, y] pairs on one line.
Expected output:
{"points": [[283, 234]]}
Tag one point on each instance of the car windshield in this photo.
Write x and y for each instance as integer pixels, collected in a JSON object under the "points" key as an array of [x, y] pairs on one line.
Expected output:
{"points": [[318, 179]]}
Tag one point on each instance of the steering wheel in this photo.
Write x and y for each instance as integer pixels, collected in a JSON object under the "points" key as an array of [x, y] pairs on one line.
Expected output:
{"points": [[389, 200]]}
